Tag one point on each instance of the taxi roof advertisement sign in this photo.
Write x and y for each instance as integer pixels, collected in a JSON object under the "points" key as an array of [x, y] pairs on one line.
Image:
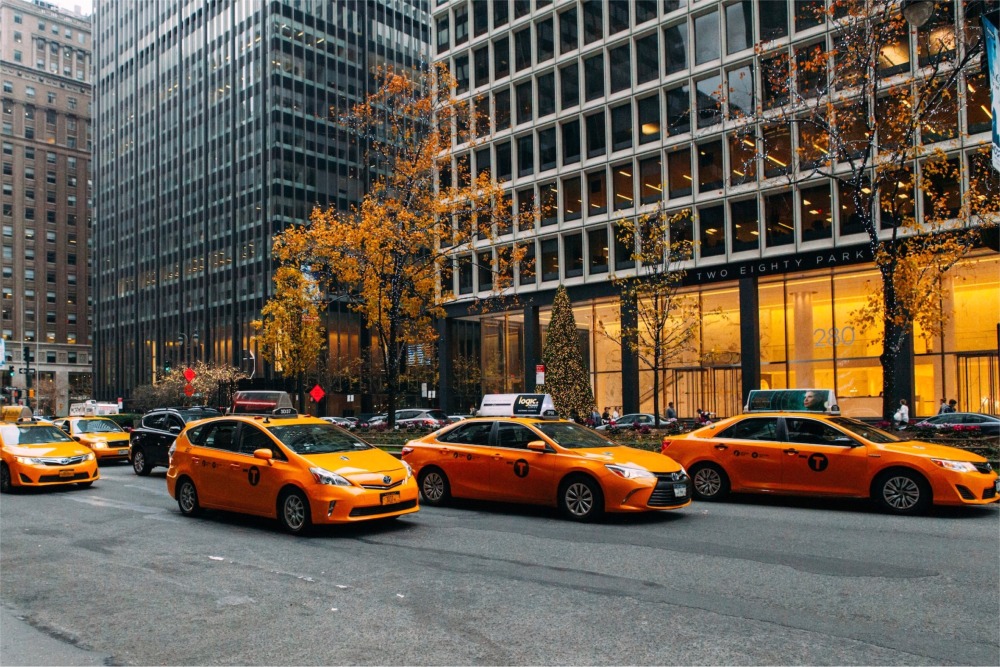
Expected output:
{"points": [[791, 400], [516, 405], [991, 35]]}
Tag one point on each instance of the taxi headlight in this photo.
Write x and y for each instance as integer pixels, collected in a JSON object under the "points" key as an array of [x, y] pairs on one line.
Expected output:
{"points": [[957, 466], [89, 456], [409, 470], [29, 461], [629, 472], [324, 476], [99, 444]]}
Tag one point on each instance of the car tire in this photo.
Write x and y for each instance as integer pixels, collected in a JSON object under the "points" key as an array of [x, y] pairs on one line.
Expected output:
{"points": [[6, 485], [293, 512], [187, 498], [85, 485], [902, 491], [140, 464], [581, 499], [709, 482], [434, 487]]}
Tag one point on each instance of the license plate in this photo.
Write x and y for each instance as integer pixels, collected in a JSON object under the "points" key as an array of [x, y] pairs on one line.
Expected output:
{"points": [[123, 452], [67, 473], [390, 498], [680, 490]]}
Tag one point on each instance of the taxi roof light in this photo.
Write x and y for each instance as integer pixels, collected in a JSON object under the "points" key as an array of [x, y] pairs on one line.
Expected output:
{"points": [[792, 400]]}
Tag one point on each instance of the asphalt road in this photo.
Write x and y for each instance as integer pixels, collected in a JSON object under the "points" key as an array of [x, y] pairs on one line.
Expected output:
{"points": [[115, 575]]}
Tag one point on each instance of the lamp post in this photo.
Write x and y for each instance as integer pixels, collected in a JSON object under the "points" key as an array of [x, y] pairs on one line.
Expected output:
{"points": [[917, 12], [183, 340]]}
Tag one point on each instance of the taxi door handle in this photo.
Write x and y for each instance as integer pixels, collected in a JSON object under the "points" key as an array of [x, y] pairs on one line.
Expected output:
{"points": [[722, 447], [445, 450], [791, 451], [195, 459], [235, 466]]}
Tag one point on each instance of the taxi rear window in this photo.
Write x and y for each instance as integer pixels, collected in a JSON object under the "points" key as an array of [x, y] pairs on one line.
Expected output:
{"points": [[317, 438], [572, 436], [33, 435]]}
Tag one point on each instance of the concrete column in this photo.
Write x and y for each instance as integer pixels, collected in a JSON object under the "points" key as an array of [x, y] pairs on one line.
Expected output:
{"points": [[532, 345], [630, 358], [749, 336]]}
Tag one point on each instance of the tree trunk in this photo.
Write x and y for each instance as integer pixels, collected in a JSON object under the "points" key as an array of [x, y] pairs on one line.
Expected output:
{"points": [[391, 377]]}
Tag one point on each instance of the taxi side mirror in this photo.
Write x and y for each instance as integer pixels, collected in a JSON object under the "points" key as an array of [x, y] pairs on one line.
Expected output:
{"points": [[264, 454], [538, 446]]}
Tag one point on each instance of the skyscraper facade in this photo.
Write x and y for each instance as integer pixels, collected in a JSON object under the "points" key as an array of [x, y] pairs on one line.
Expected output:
{"points": [[216, 128], [45, 68], [604, 111]]}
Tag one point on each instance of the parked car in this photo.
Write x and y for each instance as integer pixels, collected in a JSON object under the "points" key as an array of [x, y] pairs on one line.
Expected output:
{"points": [[634, 420], [417, 418], [457, 418], [964, 422], [342, 422], [158, 429]]}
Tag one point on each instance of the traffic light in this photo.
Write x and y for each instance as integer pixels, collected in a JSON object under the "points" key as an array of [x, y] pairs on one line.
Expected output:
{"points": [[166, 367], [11, 371]]}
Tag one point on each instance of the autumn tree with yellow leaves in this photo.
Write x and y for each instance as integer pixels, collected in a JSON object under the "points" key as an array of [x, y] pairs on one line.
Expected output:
{"points": [[882, 130], [391, 257]]}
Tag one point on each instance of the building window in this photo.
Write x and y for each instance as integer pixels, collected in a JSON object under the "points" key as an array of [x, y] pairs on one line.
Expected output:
{"points": [[710, 166], [568, 31], [461, 24], [745, 224], [777, 150], [500, 14], [525, 155], [816, 213], [597, 250], [573, 254], [679, 173], [501, 109], [739, 26], [465, 274], [569, 85], [546, 94], [522, 49], [624, 248], [808, 14], [461, 71], [621, 127], [779, 217], [485, 264], [522, 93], [650, 180], [550, 259], [675, 48], [593, 20], [647, 64], [547, 149], [501, 58], [709, 94], [544, 40], [597, 193], [525, 209], [742, 159], [526, 270], [572, 200], [504, 169], [649, 119], [741, 98], [712, 224], [624, 185], [571, 142], [596, 135], [481, 66], [678, 110], [593, 77], [774, 22], [620, 60]]}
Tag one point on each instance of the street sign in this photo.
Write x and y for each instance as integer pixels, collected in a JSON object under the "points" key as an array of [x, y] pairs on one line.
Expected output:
{"points": [[189, 375], [27, 371], [317, 393], [540, 374], [188, 390]]}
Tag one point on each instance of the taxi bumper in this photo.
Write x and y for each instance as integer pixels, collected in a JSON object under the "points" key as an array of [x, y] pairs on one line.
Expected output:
{"points": [[108, 451], [41, 474], [666, 491], [337, 504], [971, 488]]}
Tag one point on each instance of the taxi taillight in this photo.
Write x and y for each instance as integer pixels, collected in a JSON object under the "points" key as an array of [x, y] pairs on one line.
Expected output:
{"points": [[405, 450], [665, 444]]}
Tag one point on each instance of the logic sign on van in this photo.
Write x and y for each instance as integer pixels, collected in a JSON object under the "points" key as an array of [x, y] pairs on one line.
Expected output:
{"points": [[528, 404]]}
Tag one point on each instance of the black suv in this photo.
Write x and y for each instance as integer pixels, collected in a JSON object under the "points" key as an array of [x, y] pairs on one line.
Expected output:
{"points": [[150, 441]]}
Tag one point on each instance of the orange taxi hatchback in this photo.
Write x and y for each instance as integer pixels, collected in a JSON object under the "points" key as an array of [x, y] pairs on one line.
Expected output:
{"points": [[818, 452], [518, 450], [301, 470]]}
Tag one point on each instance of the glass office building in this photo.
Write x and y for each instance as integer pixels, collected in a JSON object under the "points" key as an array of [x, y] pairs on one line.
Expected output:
{"points": [[215, 129], [604, 110]]}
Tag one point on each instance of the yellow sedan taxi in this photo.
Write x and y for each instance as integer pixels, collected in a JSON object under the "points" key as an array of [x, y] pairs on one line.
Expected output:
{"points": [[39, 454], [104, 437], [518, 450], [302, 470], [801, 450]]}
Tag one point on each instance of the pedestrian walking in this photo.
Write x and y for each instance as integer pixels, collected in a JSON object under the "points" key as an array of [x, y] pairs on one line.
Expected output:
{"points": [[614, 414], [606, 416], [943, 408], [671, 412], [953, 405], [902, 416]]}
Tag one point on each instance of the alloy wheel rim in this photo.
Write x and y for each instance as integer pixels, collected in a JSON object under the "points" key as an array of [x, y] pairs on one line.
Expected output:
{"points": [[433, 487], [187, 497], [294, 512], [707, 482], [138, 460], [901, 493], [579, 499]]}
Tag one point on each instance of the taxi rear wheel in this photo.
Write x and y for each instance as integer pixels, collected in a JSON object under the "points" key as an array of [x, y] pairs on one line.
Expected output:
{"points": [[709, 482], [187, 498], [293, 512], [5, 484], [581, 499], [434, 487], [139, 463], [902, 492]]}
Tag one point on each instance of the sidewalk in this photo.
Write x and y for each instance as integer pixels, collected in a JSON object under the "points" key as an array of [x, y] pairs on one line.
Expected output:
{"points": [[21, 644]]}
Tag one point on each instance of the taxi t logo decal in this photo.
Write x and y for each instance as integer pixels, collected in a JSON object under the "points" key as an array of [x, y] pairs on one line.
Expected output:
{"points": [[253, 475], [521, 468], [818, 462]]}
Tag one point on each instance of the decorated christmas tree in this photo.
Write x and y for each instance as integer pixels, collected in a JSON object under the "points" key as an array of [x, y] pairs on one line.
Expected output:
{"points": [[566, 378]]}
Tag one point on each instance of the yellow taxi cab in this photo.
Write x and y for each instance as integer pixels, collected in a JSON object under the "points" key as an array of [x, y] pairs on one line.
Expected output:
{"points": [[518, 450], [796, 442], [301, 470], [104, 437], [33, 453]]}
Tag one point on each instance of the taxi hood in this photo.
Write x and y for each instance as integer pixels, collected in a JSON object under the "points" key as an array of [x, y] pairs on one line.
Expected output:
{"points": [[355, 462], [931, 451], [632, 457], [51, 449]]}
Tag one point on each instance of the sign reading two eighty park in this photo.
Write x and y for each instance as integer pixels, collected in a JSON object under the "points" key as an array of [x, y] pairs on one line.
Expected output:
{"points": [[769, 266]]}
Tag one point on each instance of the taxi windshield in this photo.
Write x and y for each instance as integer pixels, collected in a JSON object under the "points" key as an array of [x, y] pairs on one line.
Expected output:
{"points": [[317, 438], [97, 426], [869, 433], [573, 436], [32, 435]]}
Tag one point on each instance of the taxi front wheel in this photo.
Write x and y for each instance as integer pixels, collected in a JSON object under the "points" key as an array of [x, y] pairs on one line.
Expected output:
{"points": [[293, 512], [434, 487], [709, 482], [581, 499], [5, 484], [902, 492], [187, 498]]}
